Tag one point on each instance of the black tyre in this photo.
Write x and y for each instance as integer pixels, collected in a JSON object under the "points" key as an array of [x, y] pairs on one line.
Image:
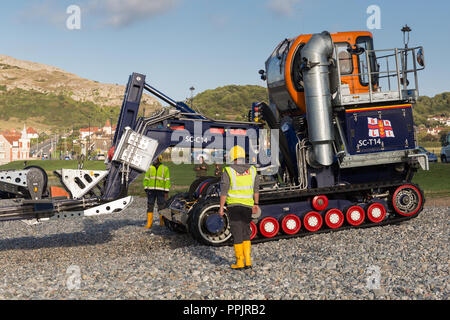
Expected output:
{"points": [[202, 213], [408, 200], [194, 186], [207, 187]]}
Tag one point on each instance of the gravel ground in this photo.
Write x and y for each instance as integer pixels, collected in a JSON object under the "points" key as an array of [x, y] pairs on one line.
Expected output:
{"points": [[116, 258]]}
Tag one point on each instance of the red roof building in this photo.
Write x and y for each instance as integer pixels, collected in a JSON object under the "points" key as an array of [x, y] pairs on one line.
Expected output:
{"points": [[32, 134], [85, 132], [14, 146]]}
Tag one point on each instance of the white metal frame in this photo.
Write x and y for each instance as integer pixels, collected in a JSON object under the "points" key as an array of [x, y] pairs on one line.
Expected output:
{"points": [[401, 93]]}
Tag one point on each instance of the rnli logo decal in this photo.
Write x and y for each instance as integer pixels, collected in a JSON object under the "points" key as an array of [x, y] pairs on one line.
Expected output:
{"points": [[380, 128]]}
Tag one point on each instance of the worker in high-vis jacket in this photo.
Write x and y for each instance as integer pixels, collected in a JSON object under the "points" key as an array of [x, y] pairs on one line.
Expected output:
{"points": [[157, 185], [239, 190]]}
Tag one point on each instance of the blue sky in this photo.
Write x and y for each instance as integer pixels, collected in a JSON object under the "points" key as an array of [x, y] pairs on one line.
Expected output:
{"points": [[207, 43]]}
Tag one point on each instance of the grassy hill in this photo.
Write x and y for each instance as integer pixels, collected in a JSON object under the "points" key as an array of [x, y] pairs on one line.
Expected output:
{"points": [[229, 102], [52, 109], [426, 107], [47, 97]]}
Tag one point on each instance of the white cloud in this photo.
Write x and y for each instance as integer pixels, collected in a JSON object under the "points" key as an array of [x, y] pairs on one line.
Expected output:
{"points": [[117, 13], [282, 7], [121, 13]]}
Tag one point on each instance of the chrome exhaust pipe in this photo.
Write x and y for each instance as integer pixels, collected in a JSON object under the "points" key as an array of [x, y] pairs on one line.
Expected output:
{"points": [[316, 56]]}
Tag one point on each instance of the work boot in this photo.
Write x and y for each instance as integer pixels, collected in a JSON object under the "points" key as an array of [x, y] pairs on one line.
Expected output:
{"points": [[247, 250], [161, 220], [239, 252], [149, 220]]}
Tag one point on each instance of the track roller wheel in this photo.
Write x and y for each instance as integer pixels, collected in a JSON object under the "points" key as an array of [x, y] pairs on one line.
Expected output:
{"points": [[269, 227], [312, 221], [407, 200], [334, 218], [376, 212], [320, 202], [253, 230], [291, 224], [355, 215]]}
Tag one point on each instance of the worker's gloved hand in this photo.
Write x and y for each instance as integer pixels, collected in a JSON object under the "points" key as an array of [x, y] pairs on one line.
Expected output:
{"points": [[147, 191]]}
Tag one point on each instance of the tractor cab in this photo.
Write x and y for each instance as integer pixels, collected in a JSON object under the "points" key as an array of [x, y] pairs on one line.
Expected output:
{"points": [[359, 73]]}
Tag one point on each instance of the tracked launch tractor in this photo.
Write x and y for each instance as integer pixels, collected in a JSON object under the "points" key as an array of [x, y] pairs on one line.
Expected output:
{"points": [[345, 155], [346, 141]]}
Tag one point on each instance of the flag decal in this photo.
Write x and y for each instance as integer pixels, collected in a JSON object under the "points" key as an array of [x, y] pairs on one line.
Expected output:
{"points": [[380, 128]]}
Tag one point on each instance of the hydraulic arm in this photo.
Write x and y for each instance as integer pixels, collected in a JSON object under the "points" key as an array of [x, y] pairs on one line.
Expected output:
{"points": [[177, 126]]}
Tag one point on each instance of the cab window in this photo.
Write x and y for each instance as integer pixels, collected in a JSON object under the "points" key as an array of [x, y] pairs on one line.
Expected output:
{"points": [[345, 58], [297, 75], [367, 44]]}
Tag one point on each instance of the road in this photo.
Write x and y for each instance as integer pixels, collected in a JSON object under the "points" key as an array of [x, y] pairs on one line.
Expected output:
{"points": [[44, 147]]}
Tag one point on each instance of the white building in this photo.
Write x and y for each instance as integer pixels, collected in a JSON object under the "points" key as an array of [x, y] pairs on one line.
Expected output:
{"points": [[14, 146]]}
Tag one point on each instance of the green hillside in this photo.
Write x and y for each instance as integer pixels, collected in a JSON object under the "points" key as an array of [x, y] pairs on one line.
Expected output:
{"points": [[426, 107], [54, 110], [229, 102], [47, 98]]}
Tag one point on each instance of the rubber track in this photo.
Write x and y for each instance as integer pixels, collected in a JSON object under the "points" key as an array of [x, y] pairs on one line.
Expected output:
{"points": [[393, 219], [269, 195]]}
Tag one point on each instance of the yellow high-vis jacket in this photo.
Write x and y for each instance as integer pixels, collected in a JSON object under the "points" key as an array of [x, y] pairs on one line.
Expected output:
{"points": [[157, 179], [241, 186]]}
